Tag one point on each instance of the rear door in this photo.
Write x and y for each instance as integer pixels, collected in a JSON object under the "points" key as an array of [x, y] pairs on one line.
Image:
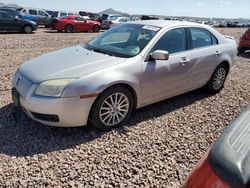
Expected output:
{"points": [[205, 55]]}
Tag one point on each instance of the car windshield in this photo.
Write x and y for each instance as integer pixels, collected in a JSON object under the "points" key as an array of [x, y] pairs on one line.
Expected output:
{"points": [[126, 40]]}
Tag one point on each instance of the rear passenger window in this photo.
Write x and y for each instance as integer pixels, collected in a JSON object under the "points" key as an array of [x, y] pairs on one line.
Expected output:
{"points": [[202, 38], [6, 16], [173, 41], [32, 12]]}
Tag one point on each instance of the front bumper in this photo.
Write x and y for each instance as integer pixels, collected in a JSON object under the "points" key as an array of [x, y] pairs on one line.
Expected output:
{"points": [[71, 112]]}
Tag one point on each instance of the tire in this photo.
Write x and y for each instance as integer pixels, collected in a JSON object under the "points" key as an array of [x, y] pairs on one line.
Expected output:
{"points": [[111, 108], [28, 29], [241, 50], [216, 82], [96, 29], [68, 28]]}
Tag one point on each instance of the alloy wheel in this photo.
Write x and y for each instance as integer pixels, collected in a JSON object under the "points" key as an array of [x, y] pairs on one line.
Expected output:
{"points": [[114, 109], [219, 79]]}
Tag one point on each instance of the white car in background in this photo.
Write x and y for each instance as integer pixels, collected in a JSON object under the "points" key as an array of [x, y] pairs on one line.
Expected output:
{"points": [[114, 20]]}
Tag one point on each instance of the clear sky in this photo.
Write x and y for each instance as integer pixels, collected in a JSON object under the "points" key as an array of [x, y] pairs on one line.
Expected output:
{"points": [[199, 8]]}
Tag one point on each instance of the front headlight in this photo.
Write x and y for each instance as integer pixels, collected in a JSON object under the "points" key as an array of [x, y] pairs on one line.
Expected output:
{"points": [[52, 88]]}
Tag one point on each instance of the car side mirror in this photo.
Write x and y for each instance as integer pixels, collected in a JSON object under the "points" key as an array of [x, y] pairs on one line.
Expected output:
{"points": [[160, 55]]}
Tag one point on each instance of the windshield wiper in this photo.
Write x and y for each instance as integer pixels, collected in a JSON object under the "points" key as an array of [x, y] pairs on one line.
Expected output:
{"points": [[89, 47]]}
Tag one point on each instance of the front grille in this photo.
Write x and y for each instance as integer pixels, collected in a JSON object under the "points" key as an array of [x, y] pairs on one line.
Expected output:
{"points": [[21, 84]]}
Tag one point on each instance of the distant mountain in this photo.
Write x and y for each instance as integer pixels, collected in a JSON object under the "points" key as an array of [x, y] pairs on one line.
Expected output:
{"points": [[112, 11], [9, 5]]}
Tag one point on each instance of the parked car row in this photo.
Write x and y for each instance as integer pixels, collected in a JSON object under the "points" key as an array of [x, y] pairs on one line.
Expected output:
{"points": [[237, 24]]}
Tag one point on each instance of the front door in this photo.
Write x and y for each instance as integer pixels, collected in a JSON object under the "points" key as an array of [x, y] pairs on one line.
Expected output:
{"points": [[82, 24], [8, 22], [165, 78], [43, 17]]}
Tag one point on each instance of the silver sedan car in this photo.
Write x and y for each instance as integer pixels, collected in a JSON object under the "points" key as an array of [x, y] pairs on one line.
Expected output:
{"points": [[125, 68]]}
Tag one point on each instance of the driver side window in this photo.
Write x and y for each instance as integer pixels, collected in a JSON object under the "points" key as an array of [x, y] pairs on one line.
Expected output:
{"points": [[173, 41]]}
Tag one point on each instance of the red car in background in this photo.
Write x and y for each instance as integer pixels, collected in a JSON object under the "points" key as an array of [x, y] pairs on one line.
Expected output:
{"points": [[244, 44], [75, 23], [227, 164]]}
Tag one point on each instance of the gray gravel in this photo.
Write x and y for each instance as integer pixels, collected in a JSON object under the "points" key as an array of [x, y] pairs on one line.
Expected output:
{"points": [[156, 148]]}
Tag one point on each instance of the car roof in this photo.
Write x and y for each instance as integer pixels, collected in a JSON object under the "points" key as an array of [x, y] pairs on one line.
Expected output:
{"points": [[164, 23]]}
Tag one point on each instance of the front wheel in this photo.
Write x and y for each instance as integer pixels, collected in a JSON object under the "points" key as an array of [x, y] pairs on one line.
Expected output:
{"points": [[112, 108], [68, 28], [28, 29], [216, 83]]}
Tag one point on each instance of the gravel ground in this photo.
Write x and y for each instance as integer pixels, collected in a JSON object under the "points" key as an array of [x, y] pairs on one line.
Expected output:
{"points": [[156, 148]]}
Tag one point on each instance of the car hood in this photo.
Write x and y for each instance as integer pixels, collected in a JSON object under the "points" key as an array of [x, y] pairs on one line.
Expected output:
{"points": [[71, 62]]}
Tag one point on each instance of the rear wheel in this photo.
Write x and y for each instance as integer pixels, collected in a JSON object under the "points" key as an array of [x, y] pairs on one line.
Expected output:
{"points": [[28, 29], [68, 28], [96, 29], [216, 83], [111, 108]]}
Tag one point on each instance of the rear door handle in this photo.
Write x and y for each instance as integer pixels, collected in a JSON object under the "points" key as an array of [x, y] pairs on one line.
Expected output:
{"points": [[184, 61]]}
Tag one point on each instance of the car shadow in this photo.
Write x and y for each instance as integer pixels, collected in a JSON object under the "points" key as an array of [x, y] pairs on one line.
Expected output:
{"points": [[244, 55], [21, 136]]}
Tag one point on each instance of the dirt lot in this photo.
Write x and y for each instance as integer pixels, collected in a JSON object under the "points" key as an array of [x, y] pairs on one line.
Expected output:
{"points": [[157, 148]]}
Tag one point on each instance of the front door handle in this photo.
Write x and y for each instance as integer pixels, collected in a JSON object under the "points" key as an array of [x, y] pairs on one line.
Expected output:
{"points": [[184, 61], [217, 52]]}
